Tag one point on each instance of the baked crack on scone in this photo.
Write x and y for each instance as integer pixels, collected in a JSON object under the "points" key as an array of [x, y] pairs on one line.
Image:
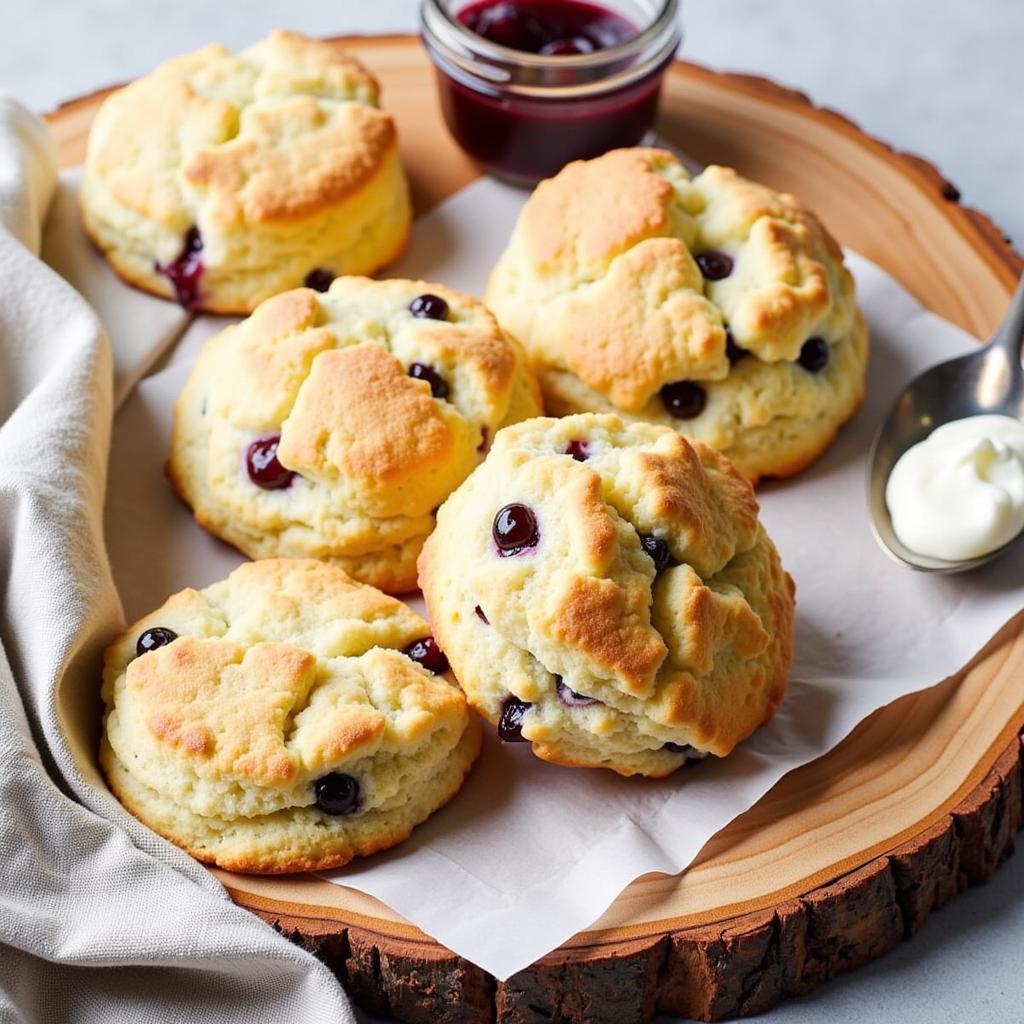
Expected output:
{"points": [[332, 425], [605, 591], [284, 719], [712, 305], [221, 179]]}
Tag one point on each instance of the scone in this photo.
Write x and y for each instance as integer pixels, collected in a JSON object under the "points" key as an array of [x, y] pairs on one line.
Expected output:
{"points": [[333, 425], [221, 179], [605, 591], [714, 306], [284, 719]]}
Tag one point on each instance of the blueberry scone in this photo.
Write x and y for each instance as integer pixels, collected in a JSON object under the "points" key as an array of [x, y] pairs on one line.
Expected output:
{"points": [[711, 305], [284, 719], [605, 591], [332, 425], [221, 179]]}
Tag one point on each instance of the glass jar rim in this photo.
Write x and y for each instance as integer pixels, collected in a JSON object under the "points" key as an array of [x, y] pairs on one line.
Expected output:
{"points": [[493, 62], [666, 14]]}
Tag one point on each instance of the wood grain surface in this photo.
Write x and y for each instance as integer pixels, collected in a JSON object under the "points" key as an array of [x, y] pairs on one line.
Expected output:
{"points": [[845, 856]]}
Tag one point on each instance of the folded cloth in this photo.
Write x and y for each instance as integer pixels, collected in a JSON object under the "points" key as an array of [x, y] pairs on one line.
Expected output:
{"points": [[83, 886]]}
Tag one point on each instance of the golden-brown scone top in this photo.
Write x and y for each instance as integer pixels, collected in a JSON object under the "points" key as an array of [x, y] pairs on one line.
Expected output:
{"points": [[601, 281], [258, 688], [645, 620], [373, 449], [277, 156]]}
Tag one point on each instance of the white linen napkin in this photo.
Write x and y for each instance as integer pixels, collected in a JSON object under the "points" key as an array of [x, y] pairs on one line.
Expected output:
{"points": [[84, 885]]}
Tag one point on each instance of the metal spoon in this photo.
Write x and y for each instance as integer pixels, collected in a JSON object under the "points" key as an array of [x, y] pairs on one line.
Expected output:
{"points": [[990, 380]]}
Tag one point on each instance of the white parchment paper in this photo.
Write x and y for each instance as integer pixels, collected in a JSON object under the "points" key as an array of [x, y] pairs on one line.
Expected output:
{"points": [[530, 853]]}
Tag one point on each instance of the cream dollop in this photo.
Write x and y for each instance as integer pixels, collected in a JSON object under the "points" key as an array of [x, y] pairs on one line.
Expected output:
{"points": [[959, 493]]}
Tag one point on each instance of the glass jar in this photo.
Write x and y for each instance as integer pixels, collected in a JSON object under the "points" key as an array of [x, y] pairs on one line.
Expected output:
{"points": [[524, 115]]}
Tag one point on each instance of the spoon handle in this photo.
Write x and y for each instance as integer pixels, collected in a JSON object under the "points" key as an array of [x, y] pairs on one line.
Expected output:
{"points": [[1010, 335]]}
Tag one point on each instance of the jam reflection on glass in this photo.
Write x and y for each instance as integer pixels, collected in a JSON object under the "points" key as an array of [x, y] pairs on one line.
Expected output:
{"points": [[525, 138]]}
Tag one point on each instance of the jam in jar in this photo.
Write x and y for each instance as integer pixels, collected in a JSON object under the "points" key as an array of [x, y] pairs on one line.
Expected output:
{"points": [[528, 85]]}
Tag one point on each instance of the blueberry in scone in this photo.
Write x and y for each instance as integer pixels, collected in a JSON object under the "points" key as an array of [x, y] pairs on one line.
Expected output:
{"points": [[221, 179], [284, 719], [331, 425], [605, 591], [711, 305]]}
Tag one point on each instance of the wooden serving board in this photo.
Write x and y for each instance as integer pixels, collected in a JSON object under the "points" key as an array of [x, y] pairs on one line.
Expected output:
{"points": [[845, 856]]}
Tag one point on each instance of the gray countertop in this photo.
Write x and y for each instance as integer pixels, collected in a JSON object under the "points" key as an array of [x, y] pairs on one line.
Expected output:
{"points": [[940, 79]]}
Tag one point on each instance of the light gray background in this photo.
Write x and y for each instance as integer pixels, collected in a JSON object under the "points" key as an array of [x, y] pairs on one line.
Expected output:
{"points": [[942, 79]]}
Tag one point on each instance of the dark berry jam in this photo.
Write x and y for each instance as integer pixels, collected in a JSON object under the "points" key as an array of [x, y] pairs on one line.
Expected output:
{"points": [[557, 28], [262, 465], [657, 549], [319, 279], [186, 270], [510, 724], [572, 81], [425, 652], [423, 371], [578, 450], [514, 530], [525, 142], [429, 307], [715, 266], [156, 636], [814, 355], [570, 698], [337, 793], [684, 399]]}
